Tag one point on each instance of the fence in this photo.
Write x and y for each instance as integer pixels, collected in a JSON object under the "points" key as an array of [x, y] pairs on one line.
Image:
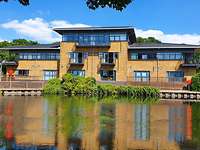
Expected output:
{"points": [[21, 78], [161, 83], [22, 84]]}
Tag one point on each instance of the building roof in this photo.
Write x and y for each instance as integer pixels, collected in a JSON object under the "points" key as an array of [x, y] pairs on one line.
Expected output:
{"points": [[79, 29], [55, 46], [128, 29], [162, 46]]}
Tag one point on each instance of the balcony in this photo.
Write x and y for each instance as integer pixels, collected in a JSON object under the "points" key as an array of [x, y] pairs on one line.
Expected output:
{"points": [[79, 61], [93, 41], [93, 44], [190, 62], [108, 62]]}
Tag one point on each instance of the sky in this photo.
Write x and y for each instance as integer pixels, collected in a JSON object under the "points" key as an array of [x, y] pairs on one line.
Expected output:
{"points": [[171, 21]]}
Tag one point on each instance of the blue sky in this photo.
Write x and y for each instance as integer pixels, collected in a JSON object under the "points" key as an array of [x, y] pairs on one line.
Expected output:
{"points": [[174, 21]]}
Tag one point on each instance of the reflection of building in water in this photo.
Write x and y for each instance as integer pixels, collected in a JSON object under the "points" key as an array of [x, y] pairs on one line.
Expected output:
{"points": [[95, 126], [34, 123], [152, 127]]}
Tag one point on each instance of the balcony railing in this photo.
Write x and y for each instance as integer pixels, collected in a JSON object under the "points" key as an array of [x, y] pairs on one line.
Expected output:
{"points": [[108, 62], [79, 61], [93, 44], [191, 63], [161, 83]]}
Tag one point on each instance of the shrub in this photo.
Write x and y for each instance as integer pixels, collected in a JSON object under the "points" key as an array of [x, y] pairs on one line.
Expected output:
{"points": [[196, 82], [75, 85], [53, 87]]}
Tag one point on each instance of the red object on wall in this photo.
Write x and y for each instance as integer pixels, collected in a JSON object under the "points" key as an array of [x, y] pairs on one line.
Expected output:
{"points": [[10, 71]]}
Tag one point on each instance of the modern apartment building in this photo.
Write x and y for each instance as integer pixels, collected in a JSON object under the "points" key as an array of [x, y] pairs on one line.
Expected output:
{"points": [[105, 53]]}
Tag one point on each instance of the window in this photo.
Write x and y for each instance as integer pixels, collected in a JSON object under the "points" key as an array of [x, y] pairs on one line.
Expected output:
{"points": [[94, 39], [78, 73], [50, 74], [134, 56], [142, 125], [169, 56], [108, 75], [176, 76], [22, 72], [144, 56], [141, 76], [39, 56], [76, 57], [108, 58], [118, 37]]}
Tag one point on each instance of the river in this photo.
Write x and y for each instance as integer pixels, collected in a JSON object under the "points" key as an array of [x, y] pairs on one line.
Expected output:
{"points": [[78, 123]]}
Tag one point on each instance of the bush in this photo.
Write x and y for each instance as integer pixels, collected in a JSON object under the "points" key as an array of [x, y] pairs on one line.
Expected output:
{"points": [[53, 87], [196, 82], [75, 85]]}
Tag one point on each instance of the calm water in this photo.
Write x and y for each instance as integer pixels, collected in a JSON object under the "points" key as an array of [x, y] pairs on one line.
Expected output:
{"points": [[60, 123]]}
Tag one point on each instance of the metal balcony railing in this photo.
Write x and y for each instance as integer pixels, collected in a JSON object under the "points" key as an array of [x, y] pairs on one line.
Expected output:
{"points": [[108, 61], [79, 61]]}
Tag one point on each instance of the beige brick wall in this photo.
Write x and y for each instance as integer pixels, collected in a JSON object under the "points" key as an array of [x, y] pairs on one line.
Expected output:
{"points": [[154, 67], [92, 62], [36, 67]]}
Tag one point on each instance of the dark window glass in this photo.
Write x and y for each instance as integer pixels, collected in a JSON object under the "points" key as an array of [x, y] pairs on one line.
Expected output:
{"points": [[78, 73], [108, 75], [141, 76], [22, 72], [39, 56], [50, 74]]}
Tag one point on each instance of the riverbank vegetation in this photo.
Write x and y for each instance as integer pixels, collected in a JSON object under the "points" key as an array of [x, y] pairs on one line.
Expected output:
{"points": [[196, 82], [86, 86]]}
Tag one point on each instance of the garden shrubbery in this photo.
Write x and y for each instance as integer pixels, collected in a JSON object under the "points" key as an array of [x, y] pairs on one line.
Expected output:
{"points": [[196, 82], [87, 86], [53, 86]]}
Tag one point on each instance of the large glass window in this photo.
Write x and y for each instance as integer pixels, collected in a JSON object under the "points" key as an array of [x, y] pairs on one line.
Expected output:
{"points": [[169, 56], [94, 39], [142, 125], [141, 76], [50, 74], [108, 58], [78, 73], [22, 72], [77, 57], [39, 56], [108, 75], [176, 76]]}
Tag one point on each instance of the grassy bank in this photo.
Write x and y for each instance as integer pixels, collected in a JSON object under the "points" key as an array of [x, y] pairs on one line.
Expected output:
{"points": [[73, 86]]}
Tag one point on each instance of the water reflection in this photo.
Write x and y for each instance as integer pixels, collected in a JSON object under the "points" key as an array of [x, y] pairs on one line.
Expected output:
{"points": [[51, 123]]}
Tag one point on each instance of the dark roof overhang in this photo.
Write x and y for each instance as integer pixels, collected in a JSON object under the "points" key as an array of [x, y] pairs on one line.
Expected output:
{"points": [[128, 29]]}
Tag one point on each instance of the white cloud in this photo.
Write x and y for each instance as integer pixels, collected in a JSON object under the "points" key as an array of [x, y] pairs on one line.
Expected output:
{"points": [[169, 38], [39, 29]]}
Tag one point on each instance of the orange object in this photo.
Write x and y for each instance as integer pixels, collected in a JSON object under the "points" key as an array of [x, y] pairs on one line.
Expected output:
{"points": [[10, 71], [189, 123], [189, 82], [9, 130]]}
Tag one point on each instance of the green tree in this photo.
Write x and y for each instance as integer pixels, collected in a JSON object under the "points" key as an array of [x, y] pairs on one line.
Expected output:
{"points": [[147, 40], [196, 58], [17, 42], [94, 4], [196, 82], [7, 56], [23, 2]]}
